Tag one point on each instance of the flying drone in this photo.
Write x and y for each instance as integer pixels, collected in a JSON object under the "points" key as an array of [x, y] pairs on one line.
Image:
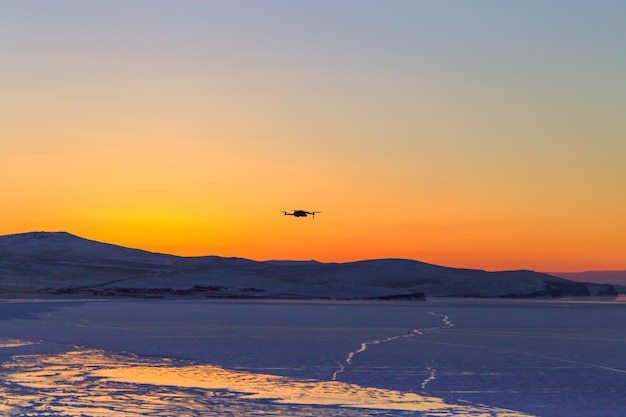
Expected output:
{"points": [[300, 213]]}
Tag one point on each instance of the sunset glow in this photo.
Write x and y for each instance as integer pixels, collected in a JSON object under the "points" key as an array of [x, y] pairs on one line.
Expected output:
{"points": [[477, 135]]}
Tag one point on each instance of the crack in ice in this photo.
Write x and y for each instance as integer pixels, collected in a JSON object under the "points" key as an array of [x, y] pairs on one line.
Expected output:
{"points": [[447, 323], [585, 364], [445, 319], [338, 371], [431, 377]]}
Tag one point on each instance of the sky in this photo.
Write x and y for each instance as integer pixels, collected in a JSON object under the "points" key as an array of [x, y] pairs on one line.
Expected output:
{"points": [[476, 134]]}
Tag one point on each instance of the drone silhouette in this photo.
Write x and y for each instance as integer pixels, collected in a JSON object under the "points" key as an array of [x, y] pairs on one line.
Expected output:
{"points": [[300, 213]]}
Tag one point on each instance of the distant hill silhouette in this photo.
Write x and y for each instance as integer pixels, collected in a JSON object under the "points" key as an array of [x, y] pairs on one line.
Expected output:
{"points": [[62, 263], [604, 277]]}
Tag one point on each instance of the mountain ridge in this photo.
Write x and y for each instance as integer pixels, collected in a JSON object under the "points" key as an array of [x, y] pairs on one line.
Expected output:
{"points": [[62, 263]]}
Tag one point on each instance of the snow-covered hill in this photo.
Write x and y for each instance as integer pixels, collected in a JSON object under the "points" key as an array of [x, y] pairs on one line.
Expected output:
{"points": [[63, 263]]}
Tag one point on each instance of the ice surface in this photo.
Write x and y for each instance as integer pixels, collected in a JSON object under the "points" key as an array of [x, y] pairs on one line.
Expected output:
{"points": [[445, 357]]}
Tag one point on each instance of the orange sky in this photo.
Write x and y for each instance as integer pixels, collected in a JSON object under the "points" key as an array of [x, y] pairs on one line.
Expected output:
{"points": [[471, 137]]}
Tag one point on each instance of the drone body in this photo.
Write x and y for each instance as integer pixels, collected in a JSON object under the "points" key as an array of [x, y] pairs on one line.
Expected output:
{"points": [[301, 213]]}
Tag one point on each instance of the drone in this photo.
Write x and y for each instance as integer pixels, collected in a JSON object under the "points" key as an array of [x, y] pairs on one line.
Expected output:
{"points": [[301, 213]]}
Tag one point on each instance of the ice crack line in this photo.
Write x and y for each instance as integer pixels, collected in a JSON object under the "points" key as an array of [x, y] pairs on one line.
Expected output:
{"points": [[447, 323], [585, 364], [338, 371], [364, 346], [431, 377], [445, 320]]}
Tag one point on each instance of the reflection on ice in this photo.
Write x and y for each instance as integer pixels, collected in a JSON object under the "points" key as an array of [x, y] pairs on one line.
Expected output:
{"points": [[9, 343], [93, 383]]}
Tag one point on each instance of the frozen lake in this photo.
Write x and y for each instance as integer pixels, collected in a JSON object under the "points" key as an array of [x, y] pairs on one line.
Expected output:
{"points": [[443, 357]]}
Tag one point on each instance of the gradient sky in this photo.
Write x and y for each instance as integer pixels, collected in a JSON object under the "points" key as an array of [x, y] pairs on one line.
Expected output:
{"points": [[480, 134]]}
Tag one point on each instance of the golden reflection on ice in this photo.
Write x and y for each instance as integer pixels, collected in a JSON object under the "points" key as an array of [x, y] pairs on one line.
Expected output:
{"points": [[279, 389], [10, 343], [92, 383]]}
